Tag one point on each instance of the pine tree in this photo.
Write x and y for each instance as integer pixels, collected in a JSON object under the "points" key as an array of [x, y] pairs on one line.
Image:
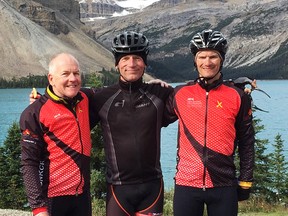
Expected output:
{"points": [[262, 177], [12, 194], [279, 170], [98, 165], [98, 182]]}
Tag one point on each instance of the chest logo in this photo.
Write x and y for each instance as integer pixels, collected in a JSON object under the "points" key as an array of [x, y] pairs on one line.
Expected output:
{"points": [[142, 105], [120, 103], [219, 104], [191, 102], [57, 116]]}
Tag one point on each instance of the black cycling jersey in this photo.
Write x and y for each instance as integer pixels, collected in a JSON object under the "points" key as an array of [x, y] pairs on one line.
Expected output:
{"points": [[131, 117]]}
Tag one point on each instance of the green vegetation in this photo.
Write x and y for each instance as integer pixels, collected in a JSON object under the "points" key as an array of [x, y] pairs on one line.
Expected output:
{"points": [[12, 193], [97, 79], [104, 77], [25, 82]]}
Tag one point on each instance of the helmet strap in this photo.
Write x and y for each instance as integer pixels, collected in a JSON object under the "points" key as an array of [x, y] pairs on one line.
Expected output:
{"points": [[205, 80]]}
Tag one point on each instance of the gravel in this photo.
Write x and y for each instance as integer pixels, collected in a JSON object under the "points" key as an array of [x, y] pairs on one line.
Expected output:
{"points": [[10, 212]]}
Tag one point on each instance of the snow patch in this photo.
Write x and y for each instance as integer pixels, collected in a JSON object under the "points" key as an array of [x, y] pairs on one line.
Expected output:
{"points": [[137, 4]]}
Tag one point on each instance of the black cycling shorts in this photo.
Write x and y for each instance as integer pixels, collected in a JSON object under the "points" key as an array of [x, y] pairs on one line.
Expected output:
{"points": [[70, 205], [135, 199], [220, 201]]}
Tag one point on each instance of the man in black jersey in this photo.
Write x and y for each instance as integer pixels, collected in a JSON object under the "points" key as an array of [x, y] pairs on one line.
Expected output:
{"points": [[131, 117]]}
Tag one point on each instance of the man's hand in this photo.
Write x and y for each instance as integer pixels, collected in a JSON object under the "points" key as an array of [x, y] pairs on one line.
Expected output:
{"points": [[158, 81], [253, 86], [243, 193], [34, 95]]}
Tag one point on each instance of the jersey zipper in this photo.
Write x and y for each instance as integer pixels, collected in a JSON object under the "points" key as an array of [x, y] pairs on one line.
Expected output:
{"points": [[205, 153], [81, 144], [135, 135]]}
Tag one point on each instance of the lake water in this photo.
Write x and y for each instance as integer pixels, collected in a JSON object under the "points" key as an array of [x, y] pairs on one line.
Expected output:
{"points": [[14, 101]]}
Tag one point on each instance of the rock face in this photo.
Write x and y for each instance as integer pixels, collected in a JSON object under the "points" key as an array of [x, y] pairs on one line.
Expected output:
{"points": [[256, 31], [69, 8], [31, 32], [44, 13], [106, 8], [100, 8]]}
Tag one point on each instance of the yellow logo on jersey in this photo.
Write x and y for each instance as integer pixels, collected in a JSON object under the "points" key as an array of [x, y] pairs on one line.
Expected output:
{"points": [[219, 104]]}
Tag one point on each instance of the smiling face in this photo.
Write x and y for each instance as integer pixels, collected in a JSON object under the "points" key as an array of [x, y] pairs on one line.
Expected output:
{"points": [[131, 68], [64, 76], [208, 63]]}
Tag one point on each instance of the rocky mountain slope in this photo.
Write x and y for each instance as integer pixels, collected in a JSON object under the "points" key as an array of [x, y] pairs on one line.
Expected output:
{"points": [[108, 8], [256, 31], [32, 31], [99, 8]]}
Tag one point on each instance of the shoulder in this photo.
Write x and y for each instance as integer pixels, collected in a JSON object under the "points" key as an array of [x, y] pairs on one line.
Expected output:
{"points": [[98, 92], [157, 89], [33, 110], [231, 85], [244, 96], [189, 84]]}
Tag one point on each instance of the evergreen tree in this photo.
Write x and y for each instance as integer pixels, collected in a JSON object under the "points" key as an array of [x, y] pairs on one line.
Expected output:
{"points": [[93, 80], [98, 182], [98, 165], [262, 177], [12, 194], [279, 171]]}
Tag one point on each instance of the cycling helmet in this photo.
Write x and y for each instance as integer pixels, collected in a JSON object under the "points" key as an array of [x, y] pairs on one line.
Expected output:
{"points": [[130, 42], [209, 39]]}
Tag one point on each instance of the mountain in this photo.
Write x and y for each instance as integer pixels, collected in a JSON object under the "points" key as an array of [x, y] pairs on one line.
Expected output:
{"points": [[32, 31], [90, 9], [256, 31], [100, 8]]}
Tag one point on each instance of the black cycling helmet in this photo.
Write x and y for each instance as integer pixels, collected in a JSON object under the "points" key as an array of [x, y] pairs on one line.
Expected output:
{"points": [[130, 42], [209, 39]]}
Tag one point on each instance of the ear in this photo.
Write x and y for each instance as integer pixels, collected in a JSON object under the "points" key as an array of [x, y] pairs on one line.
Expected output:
{"points": [[50, 78]]}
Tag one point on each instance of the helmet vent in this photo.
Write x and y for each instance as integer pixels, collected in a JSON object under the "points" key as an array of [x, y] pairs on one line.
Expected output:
{"points": [[130, 42], [209, 39]]}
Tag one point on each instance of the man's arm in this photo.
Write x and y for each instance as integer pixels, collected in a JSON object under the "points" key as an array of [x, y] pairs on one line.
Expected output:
{"points": [[159, 81], [169, 115], [32, 148], [246, 140]]}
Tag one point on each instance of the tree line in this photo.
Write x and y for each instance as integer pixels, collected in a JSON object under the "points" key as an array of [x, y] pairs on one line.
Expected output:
{"points": [[103, 77]]}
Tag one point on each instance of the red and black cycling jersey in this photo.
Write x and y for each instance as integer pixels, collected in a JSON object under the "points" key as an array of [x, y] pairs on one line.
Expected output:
{"points": [[56, 145], [213, 120], [131, 117]]}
